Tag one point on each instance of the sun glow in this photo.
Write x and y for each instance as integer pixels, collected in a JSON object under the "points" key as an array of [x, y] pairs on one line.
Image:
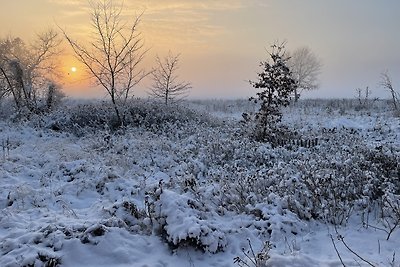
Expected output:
{"points": [[74, 69]]}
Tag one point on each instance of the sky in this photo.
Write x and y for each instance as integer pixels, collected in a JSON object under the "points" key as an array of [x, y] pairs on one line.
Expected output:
{"points": [[222, 42]]}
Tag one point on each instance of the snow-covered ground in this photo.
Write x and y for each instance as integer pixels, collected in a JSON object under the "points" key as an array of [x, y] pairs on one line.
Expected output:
{"points": [[197, 192]]}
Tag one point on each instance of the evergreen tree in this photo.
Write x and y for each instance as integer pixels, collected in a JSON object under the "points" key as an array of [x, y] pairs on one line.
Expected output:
{"points": [[276, 85]]}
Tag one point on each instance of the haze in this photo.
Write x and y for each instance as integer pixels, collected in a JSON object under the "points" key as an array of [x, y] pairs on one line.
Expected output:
{"points": [[222, 42]]}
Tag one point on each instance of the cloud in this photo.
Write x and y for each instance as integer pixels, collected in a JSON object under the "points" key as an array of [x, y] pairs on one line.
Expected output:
{"points": [[68, 2], [190, 6], [70, 8], [191, 22]]}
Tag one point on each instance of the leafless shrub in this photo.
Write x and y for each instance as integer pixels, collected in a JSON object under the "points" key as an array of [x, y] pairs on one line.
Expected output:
{"points": [[165, 80], [253, 259], [364, 99]]}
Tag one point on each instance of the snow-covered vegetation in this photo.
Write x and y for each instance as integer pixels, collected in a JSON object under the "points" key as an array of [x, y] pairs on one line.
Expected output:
{"points": [[188, 186]]}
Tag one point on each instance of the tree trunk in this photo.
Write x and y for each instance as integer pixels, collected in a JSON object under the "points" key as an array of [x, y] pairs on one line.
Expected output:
{"points": [[296, 95], [114, 102], [11, 88]]}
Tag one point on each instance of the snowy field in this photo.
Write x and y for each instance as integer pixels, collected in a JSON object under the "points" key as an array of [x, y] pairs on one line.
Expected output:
{"points": [[185, 187]]}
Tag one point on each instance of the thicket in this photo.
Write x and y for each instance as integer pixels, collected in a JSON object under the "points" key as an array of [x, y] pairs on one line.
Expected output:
{"points": [[328, 183], [87, 117], [215, 169], [223, 172]]}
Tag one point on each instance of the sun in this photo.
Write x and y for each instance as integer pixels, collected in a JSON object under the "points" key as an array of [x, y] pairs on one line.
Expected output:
{"points": [[73, 69]]}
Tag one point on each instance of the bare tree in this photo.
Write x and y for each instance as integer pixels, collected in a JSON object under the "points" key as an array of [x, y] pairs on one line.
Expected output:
{"points": [[26, 70], [387, 83], [305, 67], [114, 53], [165, 80]]}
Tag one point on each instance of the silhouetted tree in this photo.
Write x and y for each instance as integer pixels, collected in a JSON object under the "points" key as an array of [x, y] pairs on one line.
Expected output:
{"points": [[305, 67], [53, 95], [114, 53], [165, 80], [26, 70], [277, 84]]}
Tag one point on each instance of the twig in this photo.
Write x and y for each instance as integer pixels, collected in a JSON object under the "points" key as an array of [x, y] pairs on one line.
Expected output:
{"points": [[379, 247], [392, 263], [376, 228], [258, 259], [252, 251], [65, 206], [337, 252], [341, 238], [395, 217], [4, 150], [240, 262], [190, 260]]}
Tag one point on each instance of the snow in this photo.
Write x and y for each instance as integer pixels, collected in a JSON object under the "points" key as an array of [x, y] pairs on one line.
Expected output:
{"points": [[191, 196]]}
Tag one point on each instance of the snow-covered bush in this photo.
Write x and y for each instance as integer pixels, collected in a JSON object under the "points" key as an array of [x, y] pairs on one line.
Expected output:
{"points": [[91, 117], [182, 219], [192, 181], [153, 116], [326, 182], [185, 223]]}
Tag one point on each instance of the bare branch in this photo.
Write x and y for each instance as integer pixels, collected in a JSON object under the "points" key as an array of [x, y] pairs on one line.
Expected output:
{"points": [[341, 238], [115, 53]]}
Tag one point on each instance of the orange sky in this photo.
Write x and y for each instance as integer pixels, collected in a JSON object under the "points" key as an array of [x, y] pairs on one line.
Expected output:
{"points": [[222, 41]]}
